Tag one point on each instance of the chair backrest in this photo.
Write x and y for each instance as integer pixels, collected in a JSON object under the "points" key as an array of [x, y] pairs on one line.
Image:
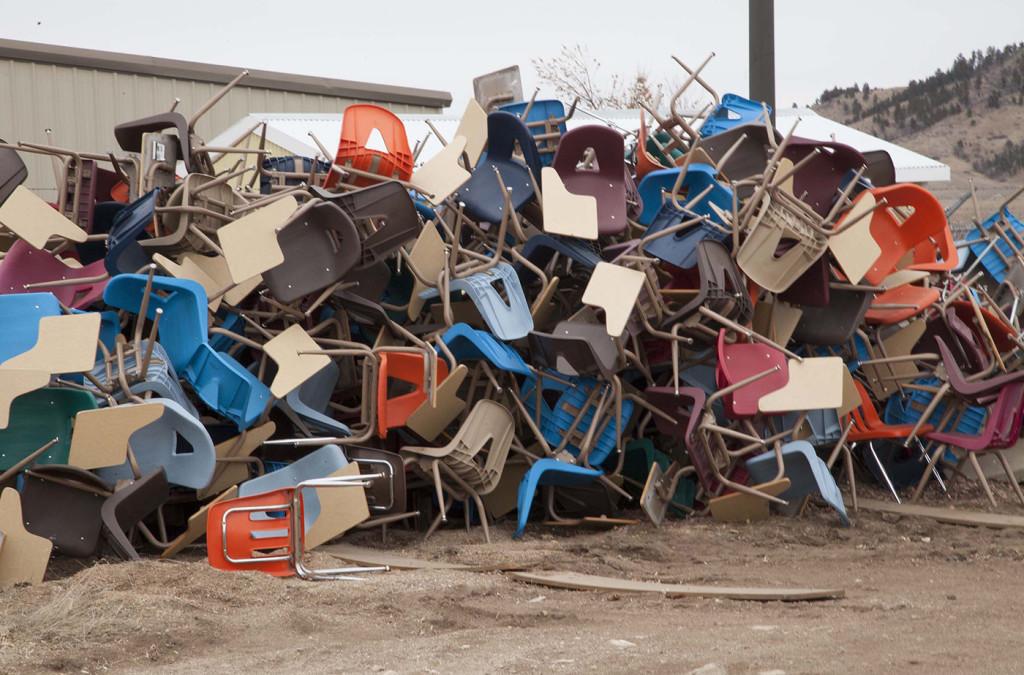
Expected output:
{"points": [[124, 253], [546, 122], [320, 246], [358, 125], [20, 315], [183, 326], [820, 178], [390, 207], [394, 410], [686, 406], [733, 111], [13, 171], [489, 425], [896, 235], [38, 417], [55, 507], [26, 265], [606, 182], [469, 344], [124, 509], [741, 360], [253, 533], [504, 132], [584, 347], [177, 442]]}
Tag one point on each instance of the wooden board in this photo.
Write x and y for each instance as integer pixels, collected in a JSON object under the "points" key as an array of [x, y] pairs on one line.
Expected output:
{"points": [[427, 255], [851, 397], [854, 248], [944, 514], [189, 270], [777, 320], [473, 127], [216, 268], [429, 421], [566, 213], [341, 509], [740, 507], [293, 368], [903, 277], [900, 343], [35, 221], [14, 383], [250, 243], [370, 556], [813, 384], [66, 344], [100, 437], [24, 556], [196, 525], [615, 289], [442, 174], [590, 582], [227, 474]]}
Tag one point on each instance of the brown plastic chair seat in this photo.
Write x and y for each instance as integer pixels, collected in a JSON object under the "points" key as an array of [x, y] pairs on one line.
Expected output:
{"points": [[384, 497], [836, 323], [606, 183], [394, 216], [320, 246], [12, 172], [63, 504], [126, 508]]}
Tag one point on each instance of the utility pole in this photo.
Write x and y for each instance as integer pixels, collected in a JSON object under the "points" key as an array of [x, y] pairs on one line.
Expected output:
{"points": [[762, 52]]}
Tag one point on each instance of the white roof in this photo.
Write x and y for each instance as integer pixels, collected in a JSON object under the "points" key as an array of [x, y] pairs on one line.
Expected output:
{"points": [[911, 167], [291, 131]]}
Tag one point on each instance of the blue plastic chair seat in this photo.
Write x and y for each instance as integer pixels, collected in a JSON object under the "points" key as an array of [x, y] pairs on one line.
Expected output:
{"points": [[509, 321], [159, 444], [733, 111], [548, 471], [124, 253], [469, 344], [991, 261], [807, 473], [482, 193]]}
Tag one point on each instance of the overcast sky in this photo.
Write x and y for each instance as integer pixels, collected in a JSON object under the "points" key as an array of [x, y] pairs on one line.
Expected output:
{"points": [[443, 44]]}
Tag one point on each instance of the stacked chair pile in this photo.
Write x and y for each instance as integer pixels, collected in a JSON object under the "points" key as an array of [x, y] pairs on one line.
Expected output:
{"points": [[698, 317]]}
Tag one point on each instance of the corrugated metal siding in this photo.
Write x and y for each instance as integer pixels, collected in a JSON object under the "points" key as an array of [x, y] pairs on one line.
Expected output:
{"points": [[82, 105]]}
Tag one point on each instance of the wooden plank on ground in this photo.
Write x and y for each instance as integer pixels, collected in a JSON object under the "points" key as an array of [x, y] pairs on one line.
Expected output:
{"points": [[590, 582], [944, 514]]}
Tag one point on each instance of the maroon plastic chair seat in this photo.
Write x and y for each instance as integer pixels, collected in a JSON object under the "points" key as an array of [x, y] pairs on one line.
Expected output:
{"points": [[1002, 426], [819, 180], [25, 265], [741, 360], [973, 389], [606, 183]]}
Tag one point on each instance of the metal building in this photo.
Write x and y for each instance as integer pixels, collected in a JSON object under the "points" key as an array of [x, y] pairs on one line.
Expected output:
{"points": [[80, 94]]}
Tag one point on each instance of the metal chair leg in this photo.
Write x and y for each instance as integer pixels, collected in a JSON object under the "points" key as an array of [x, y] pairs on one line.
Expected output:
{"points": [[878, 462]]}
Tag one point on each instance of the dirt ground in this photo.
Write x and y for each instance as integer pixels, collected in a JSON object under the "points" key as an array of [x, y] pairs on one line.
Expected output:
{"points": [[920, 597]]}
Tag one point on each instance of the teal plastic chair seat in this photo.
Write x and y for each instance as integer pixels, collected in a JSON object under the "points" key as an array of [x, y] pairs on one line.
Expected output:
{"points": [[37, 418]]}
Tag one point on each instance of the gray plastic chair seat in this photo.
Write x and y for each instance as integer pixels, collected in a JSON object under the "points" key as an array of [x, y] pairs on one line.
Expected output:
{"points": [[507, 320], [309, 402], [807, 473], [317, 464], [177, 442], [161, 379]]}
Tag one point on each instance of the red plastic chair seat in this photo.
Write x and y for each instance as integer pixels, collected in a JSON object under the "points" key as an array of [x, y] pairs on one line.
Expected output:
{"points": [[26, 265], [741, 360], [263, 531]]}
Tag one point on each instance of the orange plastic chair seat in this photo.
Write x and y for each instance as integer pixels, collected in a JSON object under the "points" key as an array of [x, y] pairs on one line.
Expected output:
{"points": [[394, 411], [917, 298], [357, 126], [252, 533], [921, 232]]}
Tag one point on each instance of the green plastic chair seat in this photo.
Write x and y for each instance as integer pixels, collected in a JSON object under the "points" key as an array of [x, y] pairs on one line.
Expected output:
{"points": [[38, 417]]}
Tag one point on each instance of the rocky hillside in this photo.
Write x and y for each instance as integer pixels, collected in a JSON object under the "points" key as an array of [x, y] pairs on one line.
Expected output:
{"points": [[970, 116]]}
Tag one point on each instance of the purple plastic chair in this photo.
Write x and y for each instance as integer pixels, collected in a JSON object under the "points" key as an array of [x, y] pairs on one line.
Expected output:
{"points": [[605, 181]]}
